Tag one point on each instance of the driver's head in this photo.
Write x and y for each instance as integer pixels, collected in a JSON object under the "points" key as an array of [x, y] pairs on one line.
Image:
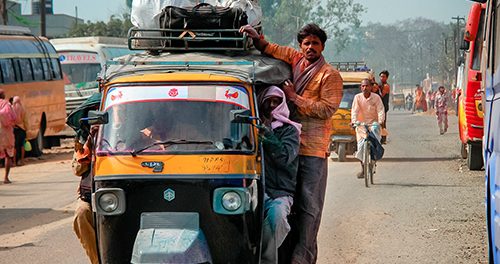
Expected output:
{"points": [[366, 87]]}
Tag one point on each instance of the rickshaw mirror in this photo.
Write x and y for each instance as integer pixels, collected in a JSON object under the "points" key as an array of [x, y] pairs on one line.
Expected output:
{"points": [[243, 116], [97, 118], [465, 45]]}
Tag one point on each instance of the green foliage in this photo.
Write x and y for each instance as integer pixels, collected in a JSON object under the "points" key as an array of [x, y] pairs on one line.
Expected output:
{"points": [[283, 18], [115, 27]]}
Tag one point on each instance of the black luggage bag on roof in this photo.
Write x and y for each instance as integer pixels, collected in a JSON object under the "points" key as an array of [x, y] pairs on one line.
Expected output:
{"points": [[203, 16]]}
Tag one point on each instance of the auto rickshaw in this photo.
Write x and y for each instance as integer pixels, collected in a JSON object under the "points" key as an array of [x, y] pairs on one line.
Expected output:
{"points": [[343, 136], [178, 164], [398, 101]]}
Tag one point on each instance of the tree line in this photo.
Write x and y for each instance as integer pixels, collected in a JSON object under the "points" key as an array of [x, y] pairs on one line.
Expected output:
{"points": [[409, 49]]}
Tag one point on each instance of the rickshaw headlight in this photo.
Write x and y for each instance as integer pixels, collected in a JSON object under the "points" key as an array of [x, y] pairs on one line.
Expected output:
{"points": [[231, 201], [108, 202]]}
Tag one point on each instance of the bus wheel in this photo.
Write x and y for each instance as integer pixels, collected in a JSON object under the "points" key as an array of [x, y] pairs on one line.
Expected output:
{"points": [[474, 156], [37, 145]]}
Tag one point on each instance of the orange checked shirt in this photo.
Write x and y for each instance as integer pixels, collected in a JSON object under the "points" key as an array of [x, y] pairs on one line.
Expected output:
{"points": [[316, 105]]}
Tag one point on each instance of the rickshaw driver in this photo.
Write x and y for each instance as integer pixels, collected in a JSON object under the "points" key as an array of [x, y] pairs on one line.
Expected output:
{"points": [[316, 93], [367, 107], [281, 141]]}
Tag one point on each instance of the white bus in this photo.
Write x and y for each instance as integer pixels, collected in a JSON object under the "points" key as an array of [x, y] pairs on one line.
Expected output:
{"points": [[81, 60]]}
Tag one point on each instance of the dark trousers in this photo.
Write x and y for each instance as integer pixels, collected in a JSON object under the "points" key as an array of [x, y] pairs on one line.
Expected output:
{"points": [[309, 200], [19, 136]]}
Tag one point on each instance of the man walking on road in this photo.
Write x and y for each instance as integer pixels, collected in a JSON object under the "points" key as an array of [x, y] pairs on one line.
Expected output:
{"points": [[441, 105], [315, 94], [7, 122]]}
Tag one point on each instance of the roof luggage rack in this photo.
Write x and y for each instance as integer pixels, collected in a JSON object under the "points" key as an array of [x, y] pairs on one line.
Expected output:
{"points": [[235, 68], [353, 66], [188, 39]]}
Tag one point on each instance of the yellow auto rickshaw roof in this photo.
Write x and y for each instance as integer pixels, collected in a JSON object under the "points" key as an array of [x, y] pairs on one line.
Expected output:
{"points": [[355, 77], [174, 77]]}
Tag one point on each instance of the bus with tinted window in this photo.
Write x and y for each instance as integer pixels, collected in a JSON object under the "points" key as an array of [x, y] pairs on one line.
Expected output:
{"points": [[30, 69], [82, 59]]}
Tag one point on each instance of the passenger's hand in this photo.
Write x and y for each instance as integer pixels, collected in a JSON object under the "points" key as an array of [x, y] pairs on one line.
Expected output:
{"points": [[289, 90], [264, 130], [93, 130], [251, 32]]}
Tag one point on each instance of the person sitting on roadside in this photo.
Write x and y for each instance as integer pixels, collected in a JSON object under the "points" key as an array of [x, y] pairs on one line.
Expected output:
{"points": [[281, 142], [367, 107]]}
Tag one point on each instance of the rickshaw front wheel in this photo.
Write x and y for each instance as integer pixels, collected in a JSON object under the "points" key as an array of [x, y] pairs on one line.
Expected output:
{"points": [[341, 150]]}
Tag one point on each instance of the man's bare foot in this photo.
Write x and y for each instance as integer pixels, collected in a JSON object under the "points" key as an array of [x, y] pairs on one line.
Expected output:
{"points": [[6, 181]]}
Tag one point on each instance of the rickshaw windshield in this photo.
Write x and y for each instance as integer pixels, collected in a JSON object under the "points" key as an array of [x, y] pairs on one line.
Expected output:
{"points": [[166, 119], [350, 90]]}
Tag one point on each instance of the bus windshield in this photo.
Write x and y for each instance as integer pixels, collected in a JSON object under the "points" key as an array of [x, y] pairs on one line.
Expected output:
{"points": [[80, 67]]}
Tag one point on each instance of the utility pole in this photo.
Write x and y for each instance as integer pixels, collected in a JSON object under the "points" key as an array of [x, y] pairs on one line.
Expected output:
{"points": [[3, 11], [456, 35], [43, 25]]}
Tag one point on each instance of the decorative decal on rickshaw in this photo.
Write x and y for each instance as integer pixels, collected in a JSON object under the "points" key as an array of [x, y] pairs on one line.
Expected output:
{"points": [[169, 195], [119, 95], [157, 166], [173, 92], [223, 94], [231, 95]]}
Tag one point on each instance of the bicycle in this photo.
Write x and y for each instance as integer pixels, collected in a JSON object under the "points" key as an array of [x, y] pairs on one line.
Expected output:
{"points": [[369, 165]]}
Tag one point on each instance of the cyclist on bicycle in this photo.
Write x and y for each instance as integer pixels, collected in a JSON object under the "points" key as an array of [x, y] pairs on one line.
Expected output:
{"points": [[367, 108]]}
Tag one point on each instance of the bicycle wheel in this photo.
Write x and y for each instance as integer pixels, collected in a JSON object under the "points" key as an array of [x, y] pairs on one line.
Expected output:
{"points": [[373, 164], [366, 163]]}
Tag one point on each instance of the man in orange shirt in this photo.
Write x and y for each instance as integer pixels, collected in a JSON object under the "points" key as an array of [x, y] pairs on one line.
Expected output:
{"points": [[385, 90], [315, 94]]}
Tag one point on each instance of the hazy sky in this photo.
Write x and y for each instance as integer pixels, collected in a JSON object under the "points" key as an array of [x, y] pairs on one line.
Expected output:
{"points": [[384, 11]]}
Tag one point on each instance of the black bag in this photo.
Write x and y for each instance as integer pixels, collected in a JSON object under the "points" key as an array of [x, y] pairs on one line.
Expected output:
{"points": [[203, 16], [377, 151]]}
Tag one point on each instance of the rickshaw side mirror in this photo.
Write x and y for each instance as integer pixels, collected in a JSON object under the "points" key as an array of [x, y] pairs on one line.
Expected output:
{"points": [[243, 116], [465, 45], [96, 118]]}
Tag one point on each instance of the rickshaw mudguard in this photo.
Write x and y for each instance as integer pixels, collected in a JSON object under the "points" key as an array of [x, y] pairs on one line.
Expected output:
{"points": [[170, 237], [343, 139]]}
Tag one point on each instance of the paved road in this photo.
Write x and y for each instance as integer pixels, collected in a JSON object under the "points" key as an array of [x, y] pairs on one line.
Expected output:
{"points": [[426, 207]]}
